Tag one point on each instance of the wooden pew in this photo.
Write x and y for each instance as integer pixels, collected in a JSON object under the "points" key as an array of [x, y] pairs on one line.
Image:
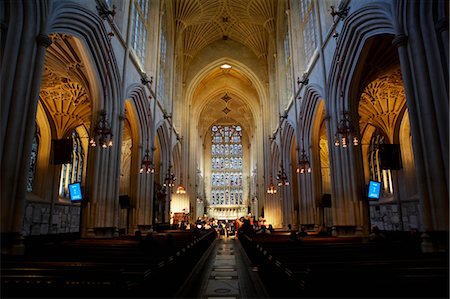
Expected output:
{"points": [[347, 269]]}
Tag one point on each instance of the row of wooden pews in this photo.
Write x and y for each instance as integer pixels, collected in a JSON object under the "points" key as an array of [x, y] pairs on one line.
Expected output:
{"points": [[331, 267], [105, 268]]}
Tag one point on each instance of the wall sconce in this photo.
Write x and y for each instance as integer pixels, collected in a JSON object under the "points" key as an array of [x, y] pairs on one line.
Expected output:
{"points": [[102, 132]]}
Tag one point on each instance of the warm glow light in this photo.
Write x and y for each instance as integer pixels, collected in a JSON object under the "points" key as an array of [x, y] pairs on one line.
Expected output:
{"points": [[225, 66], [181, 190]]}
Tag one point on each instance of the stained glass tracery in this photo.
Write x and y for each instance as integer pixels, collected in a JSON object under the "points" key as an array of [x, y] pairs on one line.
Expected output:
{"points": [[226, 165], [72, 172]]}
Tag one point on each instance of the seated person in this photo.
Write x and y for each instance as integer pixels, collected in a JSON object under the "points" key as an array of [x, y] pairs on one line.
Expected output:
{"points": [[302, 232], [376, 235], [263, 230]]}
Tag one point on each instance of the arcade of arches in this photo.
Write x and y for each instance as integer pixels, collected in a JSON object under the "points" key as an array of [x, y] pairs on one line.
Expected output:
{"points": [[223, 99]]}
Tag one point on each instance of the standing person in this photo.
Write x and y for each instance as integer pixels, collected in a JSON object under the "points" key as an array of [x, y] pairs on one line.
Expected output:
{"points": [[239, 223], [221, 230]]}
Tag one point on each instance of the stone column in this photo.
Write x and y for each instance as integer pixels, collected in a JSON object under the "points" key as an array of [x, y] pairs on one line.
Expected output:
{"points": [[426, 98], [349, 212], [21, 73]]}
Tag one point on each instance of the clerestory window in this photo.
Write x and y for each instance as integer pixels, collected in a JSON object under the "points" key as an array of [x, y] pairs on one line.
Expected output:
{"points": [[308, 24], [139, 28]]}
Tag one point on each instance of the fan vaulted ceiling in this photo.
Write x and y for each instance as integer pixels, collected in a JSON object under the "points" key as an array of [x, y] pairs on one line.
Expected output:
{"points": [[65, 87], [249, 22]]}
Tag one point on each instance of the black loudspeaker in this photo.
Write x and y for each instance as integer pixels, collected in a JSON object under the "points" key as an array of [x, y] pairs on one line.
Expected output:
{"points": [[326, 200], [390, 157], [62, 151], [124, 201]]}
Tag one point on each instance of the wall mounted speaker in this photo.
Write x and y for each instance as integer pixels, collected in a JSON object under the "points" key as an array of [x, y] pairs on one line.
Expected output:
{"points": [[390, 156], [62, 151]]}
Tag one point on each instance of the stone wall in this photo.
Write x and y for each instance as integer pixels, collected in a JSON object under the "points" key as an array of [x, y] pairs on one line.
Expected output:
{"points": [[387, 216], [65, 219]]}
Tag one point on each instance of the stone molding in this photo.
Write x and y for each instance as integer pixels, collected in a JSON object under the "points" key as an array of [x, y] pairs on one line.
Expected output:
{"points": [[43, 40], [400, 40]]}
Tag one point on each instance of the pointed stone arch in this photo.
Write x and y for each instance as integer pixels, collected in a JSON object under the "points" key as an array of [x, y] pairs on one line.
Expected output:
{"points": [[347, 182], [100, 218]]}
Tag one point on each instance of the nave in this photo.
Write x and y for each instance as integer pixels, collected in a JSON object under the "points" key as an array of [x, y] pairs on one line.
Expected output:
{"points": [[121, 119]]}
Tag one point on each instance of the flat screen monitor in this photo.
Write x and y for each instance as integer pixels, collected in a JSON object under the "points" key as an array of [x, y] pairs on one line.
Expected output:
{"points": [[75, 192], [374, 190]]}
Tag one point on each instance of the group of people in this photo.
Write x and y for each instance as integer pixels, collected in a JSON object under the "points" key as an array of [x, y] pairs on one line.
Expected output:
{"points": [[226, 228]]}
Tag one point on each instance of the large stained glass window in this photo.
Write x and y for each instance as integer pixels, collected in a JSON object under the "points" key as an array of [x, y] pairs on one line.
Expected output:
{"points": [[226, 165], [72, 172], [376, 172]]}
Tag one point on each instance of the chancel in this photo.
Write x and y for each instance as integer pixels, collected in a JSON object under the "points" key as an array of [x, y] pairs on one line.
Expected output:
{"points": [[224, 148]]}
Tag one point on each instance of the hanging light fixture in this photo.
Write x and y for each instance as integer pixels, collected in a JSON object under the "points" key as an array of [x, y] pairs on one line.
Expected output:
{"points": [[147, 164], [102, 134], [346, 131], [303, 164], [271, 189], [282, 176], [180, 188], [169, 180]]}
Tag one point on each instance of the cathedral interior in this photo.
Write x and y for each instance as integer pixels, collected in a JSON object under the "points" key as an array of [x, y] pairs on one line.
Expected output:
{"points": [[224, 148]]}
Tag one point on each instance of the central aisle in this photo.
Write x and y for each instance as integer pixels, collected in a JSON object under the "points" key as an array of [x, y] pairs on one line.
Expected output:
{"points": [[224, 272]]}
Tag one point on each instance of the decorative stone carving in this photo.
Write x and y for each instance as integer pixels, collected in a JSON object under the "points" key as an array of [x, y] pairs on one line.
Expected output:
{"points": [[382, 101], [251, 23], [63, 92], [400, 40], [43, 40]]}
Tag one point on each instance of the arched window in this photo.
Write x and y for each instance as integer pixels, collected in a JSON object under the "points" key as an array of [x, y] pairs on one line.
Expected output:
{"points": [[226, 165], [139, 27], [308, 25], [162, 57], [33, 160], [72, 172], [376, 172], [287, 58]]}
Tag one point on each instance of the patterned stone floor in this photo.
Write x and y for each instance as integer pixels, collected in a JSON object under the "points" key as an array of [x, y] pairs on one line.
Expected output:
{"points": [[227, 274]]}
